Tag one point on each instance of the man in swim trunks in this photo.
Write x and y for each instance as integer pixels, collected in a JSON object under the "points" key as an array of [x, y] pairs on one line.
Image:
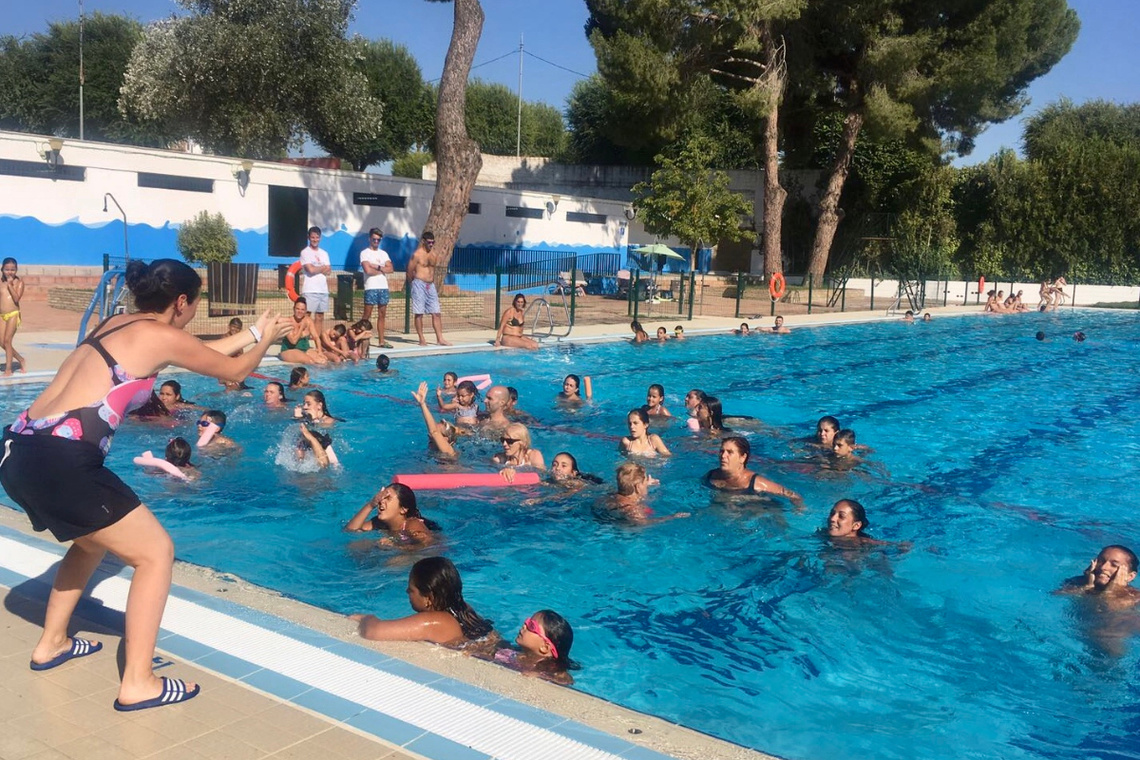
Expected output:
{"points": [[1107, 578], [421, 287], [315, 264], [376, 266]]}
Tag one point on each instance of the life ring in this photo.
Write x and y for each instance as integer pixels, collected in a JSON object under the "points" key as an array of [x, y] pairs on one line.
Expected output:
{"points": [[291, 280], [440, 480], [981, 284], [777, 286], [481, 382], [150, 460]]}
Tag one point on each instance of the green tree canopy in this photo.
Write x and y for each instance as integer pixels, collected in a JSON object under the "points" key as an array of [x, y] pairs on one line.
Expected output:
{"points": [[686, 199], [39, 81], [493, 122], [248, 77]]}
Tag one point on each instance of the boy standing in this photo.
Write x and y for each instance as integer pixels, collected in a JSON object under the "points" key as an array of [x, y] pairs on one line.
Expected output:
{"points": [[315, 264], [376, 265]]}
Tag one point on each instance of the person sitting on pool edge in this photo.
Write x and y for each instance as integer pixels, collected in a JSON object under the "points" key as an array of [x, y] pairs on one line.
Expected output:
{"points": [[442, 616], [1107, 578]]}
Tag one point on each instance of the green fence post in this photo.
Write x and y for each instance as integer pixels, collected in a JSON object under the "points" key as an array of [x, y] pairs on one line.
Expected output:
{"points": [[945, 291], [811, 282], [843, 298], [772, 311], [1074, 301], [573, 290], [692, 291], [498, 294], [634, 291], [872, 292], [739, 291], [681, 294]]}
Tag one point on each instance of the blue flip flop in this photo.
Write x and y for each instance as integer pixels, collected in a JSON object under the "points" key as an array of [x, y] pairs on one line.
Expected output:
{"points": [[173, 691], [79, 648]]}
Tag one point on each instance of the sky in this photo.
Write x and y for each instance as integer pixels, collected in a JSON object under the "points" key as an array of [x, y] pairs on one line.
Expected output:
{"points": [[1104, 63]]}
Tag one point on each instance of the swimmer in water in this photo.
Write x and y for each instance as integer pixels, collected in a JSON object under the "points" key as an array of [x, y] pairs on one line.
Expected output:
{"points": [[654, 401], [570, 395], [639, 334], [544, 643], [847, 523], [441, 435], [178, 454], [734, 475], [274, 395], [298, 378], [564, 470], [397, 515], [170, 394], [742, 330], [778, 328], [640, 442], [516, 449], [632, 489], [825, 431], [1107, 579], [678, 333], [441, 615], [450, 382], [710, 415], [465, 405], [217, 442], [662, 335]]}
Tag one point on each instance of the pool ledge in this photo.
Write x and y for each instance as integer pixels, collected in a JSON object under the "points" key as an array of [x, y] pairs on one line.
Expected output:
{"points": [[415, 700]]}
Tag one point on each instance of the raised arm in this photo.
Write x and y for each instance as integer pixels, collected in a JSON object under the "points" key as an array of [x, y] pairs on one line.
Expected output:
{"points": [[361, 522], [436, 434], [177, 347], [318, 450]]}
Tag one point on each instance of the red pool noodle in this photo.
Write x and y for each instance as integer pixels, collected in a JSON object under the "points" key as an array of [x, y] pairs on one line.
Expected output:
{"points": [[441, 480]]}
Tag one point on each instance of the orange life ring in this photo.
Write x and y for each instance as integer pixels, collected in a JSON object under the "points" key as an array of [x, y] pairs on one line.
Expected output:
{"points": [[777, 286], [291, 280], [981, 284]]}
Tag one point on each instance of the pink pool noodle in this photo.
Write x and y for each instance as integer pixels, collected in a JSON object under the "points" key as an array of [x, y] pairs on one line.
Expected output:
{"points": [[441, 480]]}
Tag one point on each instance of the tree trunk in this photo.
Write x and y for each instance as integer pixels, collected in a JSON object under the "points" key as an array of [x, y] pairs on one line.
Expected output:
{"points": [[458, 160], [829, 203], [774, 193]]}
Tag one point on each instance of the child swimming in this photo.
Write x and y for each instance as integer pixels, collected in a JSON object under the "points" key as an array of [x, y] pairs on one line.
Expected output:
{"points": [[544, 642], [654, 401], [465, 405]]}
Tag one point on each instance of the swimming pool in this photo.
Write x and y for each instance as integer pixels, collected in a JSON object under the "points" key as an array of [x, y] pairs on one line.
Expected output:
{"points": [[1007, 462]]}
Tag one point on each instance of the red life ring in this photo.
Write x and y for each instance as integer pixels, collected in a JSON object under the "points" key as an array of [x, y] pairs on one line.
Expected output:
{"points": [[981, 284], [291, 280], [777, 286]]}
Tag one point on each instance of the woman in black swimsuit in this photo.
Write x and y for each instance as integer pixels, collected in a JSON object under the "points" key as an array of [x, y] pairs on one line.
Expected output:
{"points": [[67, 431], [511, 326], [734, 475]]}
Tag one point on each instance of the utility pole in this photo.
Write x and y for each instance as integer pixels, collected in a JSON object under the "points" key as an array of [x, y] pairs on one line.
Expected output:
{"points": [[80, 69], [518, 137]]}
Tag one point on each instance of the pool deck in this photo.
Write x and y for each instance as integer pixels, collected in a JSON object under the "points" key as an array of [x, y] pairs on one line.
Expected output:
{"points": [[282, 679]]}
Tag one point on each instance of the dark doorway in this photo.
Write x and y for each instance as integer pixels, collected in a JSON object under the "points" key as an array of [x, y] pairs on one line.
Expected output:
{"points": [[288, 220]]}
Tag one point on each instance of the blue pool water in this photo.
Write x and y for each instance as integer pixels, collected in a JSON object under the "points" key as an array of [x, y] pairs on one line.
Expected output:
{"points": [[1006, 462]]}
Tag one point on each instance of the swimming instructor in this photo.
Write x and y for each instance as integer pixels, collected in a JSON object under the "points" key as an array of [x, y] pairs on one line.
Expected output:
{"points": [[52, 465]]}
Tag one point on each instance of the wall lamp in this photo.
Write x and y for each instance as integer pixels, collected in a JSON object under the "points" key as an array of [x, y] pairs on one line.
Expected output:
{"points": [[51, 151], [242, 172], [552, 204]]}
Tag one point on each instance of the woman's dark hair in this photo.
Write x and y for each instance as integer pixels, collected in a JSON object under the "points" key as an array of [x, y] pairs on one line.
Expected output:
{"points": [[320, 399], [577, 381], [468, 386], [406, 498], [581, 475], [340, 330], [828, 420], [156, 285], [218, 417], [438, 580], [716, 412], [152, 407], [858, 514], [176, 387], [280, 389], [561, 635], [658, 386], [641, 415], [362, 324], [382, 362], [742, 445], [178, 452], [517, 297], [297, 375]]}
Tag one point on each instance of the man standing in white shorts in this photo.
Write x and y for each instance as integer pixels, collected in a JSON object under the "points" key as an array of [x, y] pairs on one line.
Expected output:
{"points": [[421, 286], [376, 265], [315, 264]]}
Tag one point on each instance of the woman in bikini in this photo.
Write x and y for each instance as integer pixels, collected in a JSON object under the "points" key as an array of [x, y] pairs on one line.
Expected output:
{"points": [[511, 326], [67, 431], [302, 344], [640, 442], [397, 516], [734, 475]]}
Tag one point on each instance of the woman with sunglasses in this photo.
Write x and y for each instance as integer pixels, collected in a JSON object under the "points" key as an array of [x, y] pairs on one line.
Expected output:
{"points": [[511, 326], [67, 432], [516, 449], [442, 616]]}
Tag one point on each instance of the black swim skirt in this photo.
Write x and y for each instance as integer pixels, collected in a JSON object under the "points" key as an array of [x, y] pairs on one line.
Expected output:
{"points": [[63, 485]]}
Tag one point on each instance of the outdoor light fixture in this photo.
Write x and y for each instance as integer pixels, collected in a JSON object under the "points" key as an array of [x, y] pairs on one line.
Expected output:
{"points": [[242, 172], [51, 151], [630, 213], [552, 204]]}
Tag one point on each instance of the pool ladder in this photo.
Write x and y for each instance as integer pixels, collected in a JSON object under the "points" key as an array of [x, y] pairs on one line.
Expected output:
{"points": [[542, 308]]}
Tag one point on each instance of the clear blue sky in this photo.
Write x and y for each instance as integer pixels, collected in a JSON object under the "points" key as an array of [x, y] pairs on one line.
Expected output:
{"points": [[1104, 62]]}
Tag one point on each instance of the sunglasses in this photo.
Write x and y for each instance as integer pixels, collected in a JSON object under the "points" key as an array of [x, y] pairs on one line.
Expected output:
{"points": [[204, 423], [509, 441], [536, 629]]}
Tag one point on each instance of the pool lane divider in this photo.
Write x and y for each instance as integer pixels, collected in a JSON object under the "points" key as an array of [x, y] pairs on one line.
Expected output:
{"points": [[431, 715]]}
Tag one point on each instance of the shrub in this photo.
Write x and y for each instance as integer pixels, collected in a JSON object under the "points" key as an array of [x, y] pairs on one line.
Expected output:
{"points": [[207, 238]]}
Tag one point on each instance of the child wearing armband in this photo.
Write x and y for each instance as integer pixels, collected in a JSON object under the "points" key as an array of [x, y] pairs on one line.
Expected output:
{"points": [[178, 454]]}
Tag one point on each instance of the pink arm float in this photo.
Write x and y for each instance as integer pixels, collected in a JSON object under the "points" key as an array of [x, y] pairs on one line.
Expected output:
{"points": [[150, 460]]}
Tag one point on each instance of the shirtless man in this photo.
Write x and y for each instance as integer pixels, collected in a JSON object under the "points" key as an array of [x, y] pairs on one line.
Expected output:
{"points": [[1107, 578], [421, 288], [497, 401], [778, 328]]}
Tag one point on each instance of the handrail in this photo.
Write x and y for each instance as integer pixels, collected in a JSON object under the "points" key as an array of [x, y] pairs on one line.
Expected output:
{"points": [[538, 305], [106, 298]]}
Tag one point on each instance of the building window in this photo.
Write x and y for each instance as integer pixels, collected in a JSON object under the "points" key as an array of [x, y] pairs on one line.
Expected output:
{"points": [[376, 199], [582, 216], [41, 170], [522, 212], [474, 208], [175, 182]]}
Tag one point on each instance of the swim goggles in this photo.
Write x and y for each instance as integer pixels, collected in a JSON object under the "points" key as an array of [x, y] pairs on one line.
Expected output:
{"points": [[536, 629]]}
